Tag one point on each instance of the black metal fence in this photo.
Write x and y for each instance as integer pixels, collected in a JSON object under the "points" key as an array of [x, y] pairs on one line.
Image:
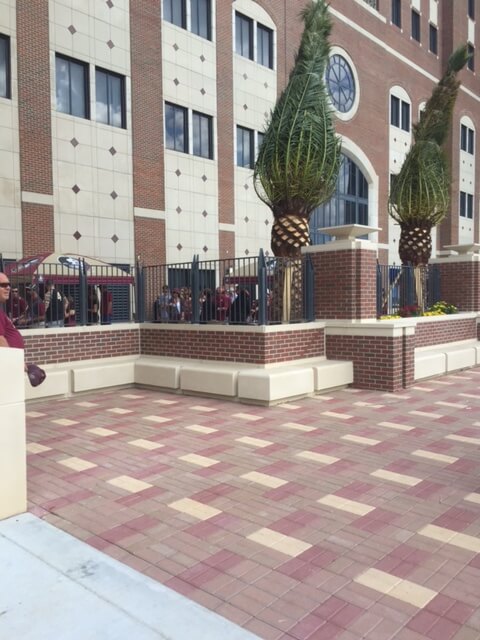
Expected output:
{"points": [[69, 294], [401, 290], [253, 290]]}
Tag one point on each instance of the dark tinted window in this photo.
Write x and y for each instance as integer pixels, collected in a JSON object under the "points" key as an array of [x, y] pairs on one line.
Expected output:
{"points": [[415, 25], [176, 128], [110, 98], [4, 66], [244, 147], [202, 135], [71, 78], [264, 46], [174, 11], [243, 36], [201, 18]]}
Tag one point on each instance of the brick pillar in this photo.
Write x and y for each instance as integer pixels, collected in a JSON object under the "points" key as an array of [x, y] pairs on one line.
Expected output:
{"points": [[345, 280], [460, 280], [34, 117]]}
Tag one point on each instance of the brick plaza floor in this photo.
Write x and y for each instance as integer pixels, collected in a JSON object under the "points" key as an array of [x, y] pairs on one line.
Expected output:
{"points": [[340, 517]]}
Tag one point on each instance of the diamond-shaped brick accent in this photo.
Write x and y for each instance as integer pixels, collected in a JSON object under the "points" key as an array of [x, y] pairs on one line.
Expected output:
{"points": [[114, 195], [247, 252], [77, 235], [178, 209], [115, 238], [267, 222], [72, 29], [205, 248], [245, 186], [246, 218], [245, 77], [204, 178], [74, 142], [202, 91], [202, 58], [245, 107], [75, 188], [176, 47], [109, 4], [110, 44], [178, 173], [265, 84], [113, 151], [179, 247], [204, 213], [176, 82]]}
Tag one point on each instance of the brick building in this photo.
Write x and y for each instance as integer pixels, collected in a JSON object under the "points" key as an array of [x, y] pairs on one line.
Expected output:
{"points": [[130, 128]]}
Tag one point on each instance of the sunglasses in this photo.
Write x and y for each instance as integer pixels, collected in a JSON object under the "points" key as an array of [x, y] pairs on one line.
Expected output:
{"points": [[5, 285]]}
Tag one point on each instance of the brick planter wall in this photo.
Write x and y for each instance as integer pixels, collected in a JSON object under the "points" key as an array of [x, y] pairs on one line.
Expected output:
{"points": [[460, 281], [65, 345], [224, 344], [382, 363], [451, 330]]}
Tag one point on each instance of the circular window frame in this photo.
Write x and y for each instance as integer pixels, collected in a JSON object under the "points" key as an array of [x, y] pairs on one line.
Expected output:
{"points": [[345, 115]]}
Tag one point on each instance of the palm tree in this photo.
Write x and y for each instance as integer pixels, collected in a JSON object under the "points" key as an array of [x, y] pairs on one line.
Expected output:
{"points": [[299, 160], [420, 193]]}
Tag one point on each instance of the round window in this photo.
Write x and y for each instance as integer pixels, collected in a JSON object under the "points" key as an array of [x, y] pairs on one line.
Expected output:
{"points": [[340, 83]]}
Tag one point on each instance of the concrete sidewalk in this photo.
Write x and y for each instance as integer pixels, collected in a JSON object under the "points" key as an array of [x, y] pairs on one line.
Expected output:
{"points": [[55, 587]]}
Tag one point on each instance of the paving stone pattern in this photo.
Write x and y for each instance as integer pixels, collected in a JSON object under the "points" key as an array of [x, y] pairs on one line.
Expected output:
{"points": [[347, 516]]}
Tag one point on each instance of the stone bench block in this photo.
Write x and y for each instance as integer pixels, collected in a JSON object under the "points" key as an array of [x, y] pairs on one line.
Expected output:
{"points": [[157, 374], [57, 383], [460, 358], [331, 374], [268, 386], [428, 364], [103, 375], [209, 379]]}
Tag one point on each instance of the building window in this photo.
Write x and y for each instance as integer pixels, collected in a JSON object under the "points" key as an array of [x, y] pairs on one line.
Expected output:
{"points": [[202, 127], [397, 13], [264, 46], [110, 95], [415, 25], [244, 36], [176, 127], [471, 57], [201, 16], [466, 205], [348, 205], [471, 9], [71, 78], [175, 11], [433, 39], [372, 3], [467, 139], [4, 66], [399, 113], [245, 147]]}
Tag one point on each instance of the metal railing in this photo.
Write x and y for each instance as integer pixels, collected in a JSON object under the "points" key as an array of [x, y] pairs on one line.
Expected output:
{"points": [[401, 289], [253, 290], [69, 294]]}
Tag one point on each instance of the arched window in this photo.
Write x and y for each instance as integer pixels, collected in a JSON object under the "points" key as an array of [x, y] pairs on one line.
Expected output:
{"points": [[348, 205]]}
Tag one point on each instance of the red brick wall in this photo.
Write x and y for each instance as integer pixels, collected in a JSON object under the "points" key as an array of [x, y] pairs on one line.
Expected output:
{"points": [[386, 364], [37, 228], [147, 104], [150, 241], [233, 346], [34, 118], [460, 284], [451, 330], [345, 284], [65, 346], [226, 241]]}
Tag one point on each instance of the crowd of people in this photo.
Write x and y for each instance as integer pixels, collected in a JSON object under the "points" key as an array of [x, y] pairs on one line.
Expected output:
{"points": [[46, 305], [222, 305]]}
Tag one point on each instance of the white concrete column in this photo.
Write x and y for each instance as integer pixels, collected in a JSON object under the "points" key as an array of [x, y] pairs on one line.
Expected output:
{"points": [[13, 467]]}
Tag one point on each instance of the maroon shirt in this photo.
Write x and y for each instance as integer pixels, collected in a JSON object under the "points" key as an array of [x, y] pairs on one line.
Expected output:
{"points": [[11, 334]]}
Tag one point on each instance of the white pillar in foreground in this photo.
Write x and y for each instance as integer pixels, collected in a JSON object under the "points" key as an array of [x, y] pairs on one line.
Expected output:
{"points": [[13, 467]]}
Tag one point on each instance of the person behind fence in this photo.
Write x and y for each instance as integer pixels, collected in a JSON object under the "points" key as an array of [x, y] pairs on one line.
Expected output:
{"points": [[240, 308], [16, 308], [175, 307], [162, 305], [92, 306], [106, 304], [207, 309], [55, 303], [36, 308], [70, 314], [222, 304]]}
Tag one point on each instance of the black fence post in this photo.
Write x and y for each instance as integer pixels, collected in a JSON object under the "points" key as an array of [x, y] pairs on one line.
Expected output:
{"points": [[379, 290], [308, 291], [195, 288], [82, 293], [262, 288], [139, 290]]}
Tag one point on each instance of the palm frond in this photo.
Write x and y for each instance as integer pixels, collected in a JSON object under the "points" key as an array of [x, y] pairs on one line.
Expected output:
{"points": [[298, 162]]}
